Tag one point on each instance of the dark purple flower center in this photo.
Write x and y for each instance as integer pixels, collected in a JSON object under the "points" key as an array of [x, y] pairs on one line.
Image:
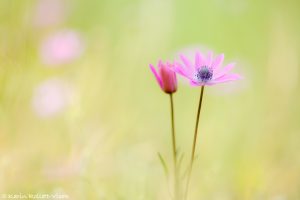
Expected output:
{"points": [[204, 74]]}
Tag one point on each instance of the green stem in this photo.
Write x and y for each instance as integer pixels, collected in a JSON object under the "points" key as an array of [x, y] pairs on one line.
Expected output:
{"points": [[194, 144], [174, 149]]}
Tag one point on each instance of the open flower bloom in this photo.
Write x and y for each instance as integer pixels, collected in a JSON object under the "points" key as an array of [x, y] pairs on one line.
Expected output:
{"points": [[205, 70], [165, 76]]}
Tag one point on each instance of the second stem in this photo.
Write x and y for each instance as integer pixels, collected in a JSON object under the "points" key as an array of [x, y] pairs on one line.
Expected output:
{"points": [[194, 143]]}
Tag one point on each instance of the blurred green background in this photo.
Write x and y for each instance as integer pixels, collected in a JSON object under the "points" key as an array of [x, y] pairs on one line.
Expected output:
{"points": [[88, 122]]}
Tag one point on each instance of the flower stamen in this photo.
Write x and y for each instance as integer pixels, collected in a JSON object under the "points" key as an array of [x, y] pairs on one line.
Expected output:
{"points": [[204, 74]]}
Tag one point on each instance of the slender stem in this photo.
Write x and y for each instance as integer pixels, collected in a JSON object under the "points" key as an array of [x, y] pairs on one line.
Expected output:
{"points": [[194, 143], [173, 130], [174, 149], [197, 123]]}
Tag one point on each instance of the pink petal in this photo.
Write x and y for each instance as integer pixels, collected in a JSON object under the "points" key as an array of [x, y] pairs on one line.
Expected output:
{"points": [[185, 60], [210, 83], [199, 60], [156, 75], [226, 78], [193, 83], [168, 77], [196, 84], [225, 70], [160, 65], [209, 59], [218, 61], [183, 71]]}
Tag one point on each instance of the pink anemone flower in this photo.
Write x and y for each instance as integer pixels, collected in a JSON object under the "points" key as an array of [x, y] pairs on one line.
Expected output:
{"points": [[165, 77], [205, 70]]}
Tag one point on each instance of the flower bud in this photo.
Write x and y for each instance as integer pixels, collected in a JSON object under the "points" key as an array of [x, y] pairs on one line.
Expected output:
{"points": [[165, 77]]}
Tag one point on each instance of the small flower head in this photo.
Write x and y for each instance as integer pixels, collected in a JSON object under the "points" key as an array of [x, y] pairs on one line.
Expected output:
{"points": [[165, 76], [205, 70]]}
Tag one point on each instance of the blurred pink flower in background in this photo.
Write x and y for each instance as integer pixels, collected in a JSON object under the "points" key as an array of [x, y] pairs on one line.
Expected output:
{"points": [[49, 12], [61, 48], [52, 97]]}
